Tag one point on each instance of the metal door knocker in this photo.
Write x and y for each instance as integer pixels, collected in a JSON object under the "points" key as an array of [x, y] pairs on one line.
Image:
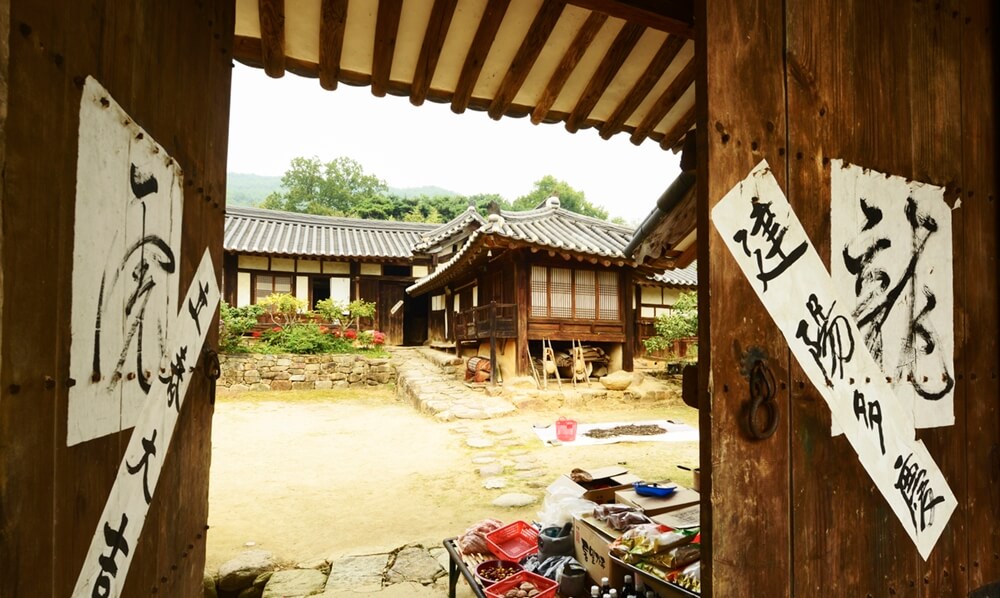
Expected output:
{"points": [[213, 371], [762, 395]]}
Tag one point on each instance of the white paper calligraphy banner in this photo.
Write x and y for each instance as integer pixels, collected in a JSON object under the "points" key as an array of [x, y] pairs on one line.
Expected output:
{"points": [[891, 257], [768, 242], [114, 543], [126, 250]]}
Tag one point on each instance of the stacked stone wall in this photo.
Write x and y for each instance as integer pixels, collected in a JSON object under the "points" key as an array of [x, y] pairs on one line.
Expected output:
{"points": [[254, 371]]}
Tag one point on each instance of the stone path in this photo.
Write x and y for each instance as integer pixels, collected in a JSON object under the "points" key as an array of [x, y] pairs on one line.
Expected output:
{"points": [[429, 379]]}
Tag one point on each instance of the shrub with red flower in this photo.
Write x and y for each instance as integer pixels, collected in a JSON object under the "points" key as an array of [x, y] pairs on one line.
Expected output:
{"points": [[350, 334], [378, 338], [255, 334], [323, 330]]}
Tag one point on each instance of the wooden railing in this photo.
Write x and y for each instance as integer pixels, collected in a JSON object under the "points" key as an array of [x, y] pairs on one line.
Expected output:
{"points": [[496, 320]]}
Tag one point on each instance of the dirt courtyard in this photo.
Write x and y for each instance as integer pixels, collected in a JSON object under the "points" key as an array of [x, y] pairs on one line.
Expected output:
{"points": [[321, 474]]}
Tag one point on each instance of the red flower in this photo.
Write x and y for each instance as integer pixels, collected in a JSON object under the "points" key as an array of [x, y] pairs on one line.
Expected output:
{"points": [[351, 334], [378, 338], [335, 333], [276, 329], [255, 334], [323, 330]]}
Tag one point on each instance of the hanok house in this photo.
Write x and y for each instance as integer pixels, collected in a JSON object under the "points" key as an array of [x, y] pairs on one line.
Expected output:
{"points": [[320, 257], [522, 279]]}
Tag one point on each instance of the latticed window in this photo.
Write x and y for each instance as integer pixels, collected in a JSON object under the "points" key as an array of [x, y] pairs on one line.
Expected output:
{"points": [[579, 294], [267, 284]]}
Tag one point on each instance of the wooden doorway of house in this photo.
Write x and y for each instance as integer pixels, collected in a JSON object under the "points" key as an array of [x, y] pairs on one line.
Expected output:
{"points": [[391, 301]]}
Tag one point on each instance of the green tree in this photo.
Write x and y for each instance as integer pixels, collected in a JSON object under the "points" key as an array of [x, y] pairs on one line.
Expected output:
{"points": [[681, 322], [337, 188], [569, 198]]}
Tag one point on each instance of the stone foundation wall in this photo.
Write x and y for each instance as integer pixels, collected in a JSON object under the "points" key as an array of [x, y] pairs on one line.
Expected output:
{"points": [[254, 371]]}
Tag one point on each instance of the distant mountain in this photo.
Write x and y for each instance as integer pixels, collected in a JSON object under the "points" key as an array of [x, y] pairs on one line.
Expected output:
{"points": [[250, 189], [429, 191]]}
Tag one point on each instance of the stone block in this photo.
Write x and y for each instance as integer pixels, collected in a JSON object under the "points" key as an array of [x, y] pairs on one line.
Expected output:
{"points": [[281, 385], [323, 384]]}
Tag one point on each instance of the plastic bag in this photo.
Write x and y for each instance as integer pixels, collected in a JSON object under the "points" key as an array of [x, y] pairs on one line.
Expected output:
{"points": [[643, 541], [559, 508]]}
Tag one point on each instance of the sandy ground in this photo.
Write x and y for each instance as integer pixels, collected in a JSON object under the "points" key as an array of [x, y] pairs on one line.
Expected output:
{"points": [[321, 474]]}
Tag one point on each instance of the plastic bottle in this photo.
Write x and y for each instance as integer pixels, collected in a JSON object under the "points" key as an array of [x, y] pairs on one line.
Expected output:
{"points": [[595, 592], [605, 586], [613, 593]]}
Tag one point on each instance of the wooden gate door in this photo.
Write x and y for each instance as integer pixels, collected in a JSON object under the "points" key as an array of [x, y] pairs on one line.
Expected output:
{"points": [[113, 149], [877, 124], [391, 322]]}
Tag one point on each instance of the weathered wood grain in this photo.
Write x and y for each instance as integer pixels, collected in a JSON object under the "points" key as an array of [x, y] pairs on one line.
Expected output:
{"points": [[532, 45], [486, 33], [272, 36], [654, 71], [386, 27], [584, 37], [616, 55], [430, 49], [332, 23], [745, 504], [665, 102]]}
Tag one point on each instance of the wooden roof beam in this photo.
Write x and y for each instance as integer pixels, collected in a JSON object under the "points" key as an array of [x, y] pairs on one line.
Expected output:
{"points": [[486, 33], [332, 23], [625, 41], [672, 137], [386, 30], [430, 50], [666, 101], [534, 41], [657, 66], [272, 36], [584, 37], [673, 16]]}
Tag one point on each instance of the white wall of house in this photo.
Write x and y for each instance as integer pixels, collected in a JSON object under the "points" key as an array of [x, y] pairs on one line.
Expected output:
{"points": [[657, 301]]}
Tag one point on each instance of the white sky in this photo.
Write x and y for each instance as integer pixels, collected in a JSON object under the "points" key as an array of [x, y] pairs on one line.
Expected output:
{"points": [[275, 120]]}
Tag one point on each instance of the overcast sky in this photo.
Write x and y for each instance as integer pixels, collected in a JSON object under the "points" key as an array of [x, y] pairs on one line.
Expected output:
{"points": [[275, 120]]}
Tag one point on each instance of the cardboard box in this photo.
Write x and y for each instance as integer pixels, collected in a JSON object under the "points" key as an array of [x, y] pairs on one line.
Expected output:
{"points": [[685, 518], [591, 546], [653, 505], [605, 481]]}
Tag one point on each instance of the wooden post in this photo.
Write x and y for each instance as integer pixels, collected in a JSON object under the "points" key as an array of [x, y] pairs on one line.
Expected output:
{"points": [[628, 347], [493, 344], [521, 309]]}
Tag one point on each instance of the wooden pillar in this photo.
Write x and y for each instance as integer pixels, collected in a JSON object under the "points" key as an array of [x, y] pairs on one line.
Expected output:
{"points": [[230, 279], [522, 306], [631, 332], [741, 119]]}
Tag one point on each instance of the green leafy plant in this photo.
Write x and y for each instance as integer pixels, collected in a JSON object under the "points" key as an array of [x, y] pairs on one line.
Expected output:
{"points": [[283, 308], [234, 322], [305, 338], [358, 309], [681, 322], [332, 311]]}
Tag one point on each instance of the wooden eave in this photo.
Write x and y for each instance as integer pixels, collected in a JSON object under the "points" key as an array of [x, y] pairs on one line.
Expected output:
{"points": [[612, 66]]}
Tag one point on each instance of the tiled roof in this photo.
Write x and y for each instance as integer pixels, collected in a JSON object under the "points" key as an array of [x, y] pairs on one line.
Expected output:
{"points": [[253, 230], [549, 226], [470, 215], [680, 277], [554, 227]]}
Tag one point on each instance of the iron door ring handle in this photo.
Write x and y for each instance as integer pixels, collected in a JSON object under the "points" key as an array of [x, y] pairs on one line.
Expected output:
{"points": [[762, 389]]}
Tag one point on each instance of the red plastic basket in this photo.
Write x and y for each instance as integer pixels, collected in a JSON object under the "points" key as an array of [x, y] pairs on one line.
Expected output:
{"points": [[546, 587], [566, 429], [513, 542]]}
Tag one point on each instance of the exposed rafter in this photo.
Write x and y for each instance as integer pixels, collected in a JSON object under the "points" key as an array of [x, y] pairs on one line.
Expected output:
{"points": [[272, 36], [657, 66], [386, 29], [541, 27], [332, 23], [584, 37], [430, 50], [486, 33], [626, 40], [666, 101], [676, 133]]}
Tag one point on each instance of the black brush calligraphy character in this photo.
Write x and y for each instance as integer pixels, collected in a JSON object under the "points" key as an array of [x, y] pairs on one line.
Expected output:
{"points": [[770, 232], [149, 449], [833, 344], [195, 310], [115, 540], [174, 378], [914, 486]]}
